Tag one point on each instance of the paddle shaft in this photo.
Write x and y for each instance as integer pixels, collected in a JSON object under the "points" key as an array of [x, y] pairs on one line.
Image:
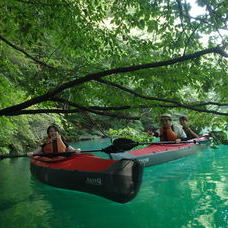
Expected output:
{"points": [[165, 142], [47, 155], [119, 145], [124, 144]]}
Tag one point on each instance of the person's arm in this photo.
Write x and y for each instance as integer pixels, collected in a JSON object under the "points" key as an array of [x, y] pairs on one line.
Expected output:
{"points": [[72, 149], [181, 136], [37, 151], [194, 135], [153, 133]]}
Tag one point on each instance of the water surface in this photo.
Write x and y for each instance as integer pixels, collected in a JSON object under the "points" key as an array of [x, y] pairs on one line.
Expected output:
{"points": [[190, 192]]}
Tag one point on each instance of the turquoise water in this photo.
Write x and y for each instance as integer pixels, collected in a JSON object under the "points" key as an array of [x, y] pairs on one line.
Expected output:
{"points": [[191, 192]]}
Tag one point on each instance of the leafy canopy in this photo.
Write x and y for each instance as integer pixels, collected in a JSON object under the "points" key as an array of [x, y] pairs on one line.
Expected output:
{"points": [[45, 44]]}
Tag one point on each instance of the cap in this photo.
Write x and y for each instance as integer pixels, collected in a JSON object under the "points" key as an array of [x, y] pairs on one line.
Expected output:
{"points": [[166, 115]]}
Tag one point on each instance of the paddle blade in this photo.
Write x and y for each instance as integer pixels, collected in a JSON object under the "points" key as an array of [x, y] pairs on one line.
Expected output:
{"points": [[120, 145], [110, 149]]}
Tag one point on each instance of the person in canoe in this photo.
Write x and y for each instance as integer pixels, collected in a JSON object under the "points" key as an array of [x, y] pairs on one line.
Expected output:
{"points": [[53, 143], [169, 131], [188, 131]]}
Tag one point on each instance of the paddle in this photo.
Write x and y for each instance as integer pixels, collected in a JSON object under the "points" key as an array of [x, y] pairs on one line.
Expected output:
{"points": [[123, 144], [107, 150], [118, 146]]}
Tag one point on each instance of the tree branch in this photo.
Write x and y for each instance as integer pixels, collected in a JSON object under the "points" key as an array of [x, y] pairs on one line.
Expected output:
{"points": [[42, 3], [26, 54], [155, 98], [210, 103], [176, 104], [98, 75], [63, 111], [114, 115], [93, 109], [89, 109], [135, 93]]}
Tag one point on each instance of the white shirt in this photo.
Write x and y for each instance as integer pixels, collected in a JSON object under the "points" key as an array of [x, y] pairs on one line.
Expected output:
{"points": [[179, 131]]}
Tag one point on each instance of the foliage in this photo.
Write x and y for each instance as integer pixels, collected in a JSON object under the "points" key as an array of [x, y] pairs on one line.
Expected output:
{"points": [[131, 133], [21, 133], [218, 137], [68, 39]]}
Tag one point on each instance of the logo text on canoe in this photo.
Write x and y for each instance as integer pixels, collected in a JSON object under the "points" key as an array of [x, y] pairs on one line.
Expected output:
{"points": [[144, 160], [93, 180]]}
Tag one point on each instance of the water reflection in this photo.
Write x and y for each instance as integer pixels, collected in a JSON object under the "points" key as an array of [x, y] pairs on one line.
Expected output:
{"points": [[191, 192], [20, 204]]}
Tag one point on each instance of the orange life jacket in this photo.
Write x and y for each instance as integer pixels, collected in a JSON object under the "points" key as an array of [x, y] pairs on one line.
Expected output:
{"points": [[54, 146], [167, 134]]}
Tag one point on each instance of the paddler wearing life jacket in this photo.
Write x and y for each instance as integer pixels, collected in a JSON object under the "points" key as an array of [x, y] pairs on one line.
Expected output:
{"points": [[54, 143], [191, 134], [169, 131]]}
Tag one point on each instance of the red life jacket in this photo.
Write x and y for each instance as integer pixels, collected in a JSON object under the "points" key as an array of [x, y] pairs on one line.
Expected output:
{"points": [[54, 146], [167, 134]]}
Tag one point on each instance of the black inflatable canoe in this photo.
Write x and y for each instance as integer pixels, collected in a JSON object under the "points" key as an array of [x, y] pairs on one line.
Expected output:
{"points": [[115, 180]]}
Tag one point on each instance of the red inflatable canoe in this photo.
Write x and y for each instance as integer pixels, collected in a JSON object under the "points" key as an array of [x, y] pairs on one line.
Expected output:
{"points": [[117, 180]]}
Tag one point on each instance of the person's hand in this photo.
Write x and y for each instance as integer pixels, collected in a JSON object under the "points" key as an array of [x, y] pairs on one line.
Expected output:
{"points": [[150, 133], [77, 151], [58, 136], [178, 140], [71, 149], [55, 136], [30, 154]]}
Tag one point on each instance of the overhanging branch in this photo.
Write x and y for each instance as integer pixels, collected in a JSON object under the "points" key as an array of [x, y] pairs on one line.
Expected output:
{"points": [[178, 104], [89, 109], [98, 75], [42, 3], [78, 110], [98, 110], [26, 54]]}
